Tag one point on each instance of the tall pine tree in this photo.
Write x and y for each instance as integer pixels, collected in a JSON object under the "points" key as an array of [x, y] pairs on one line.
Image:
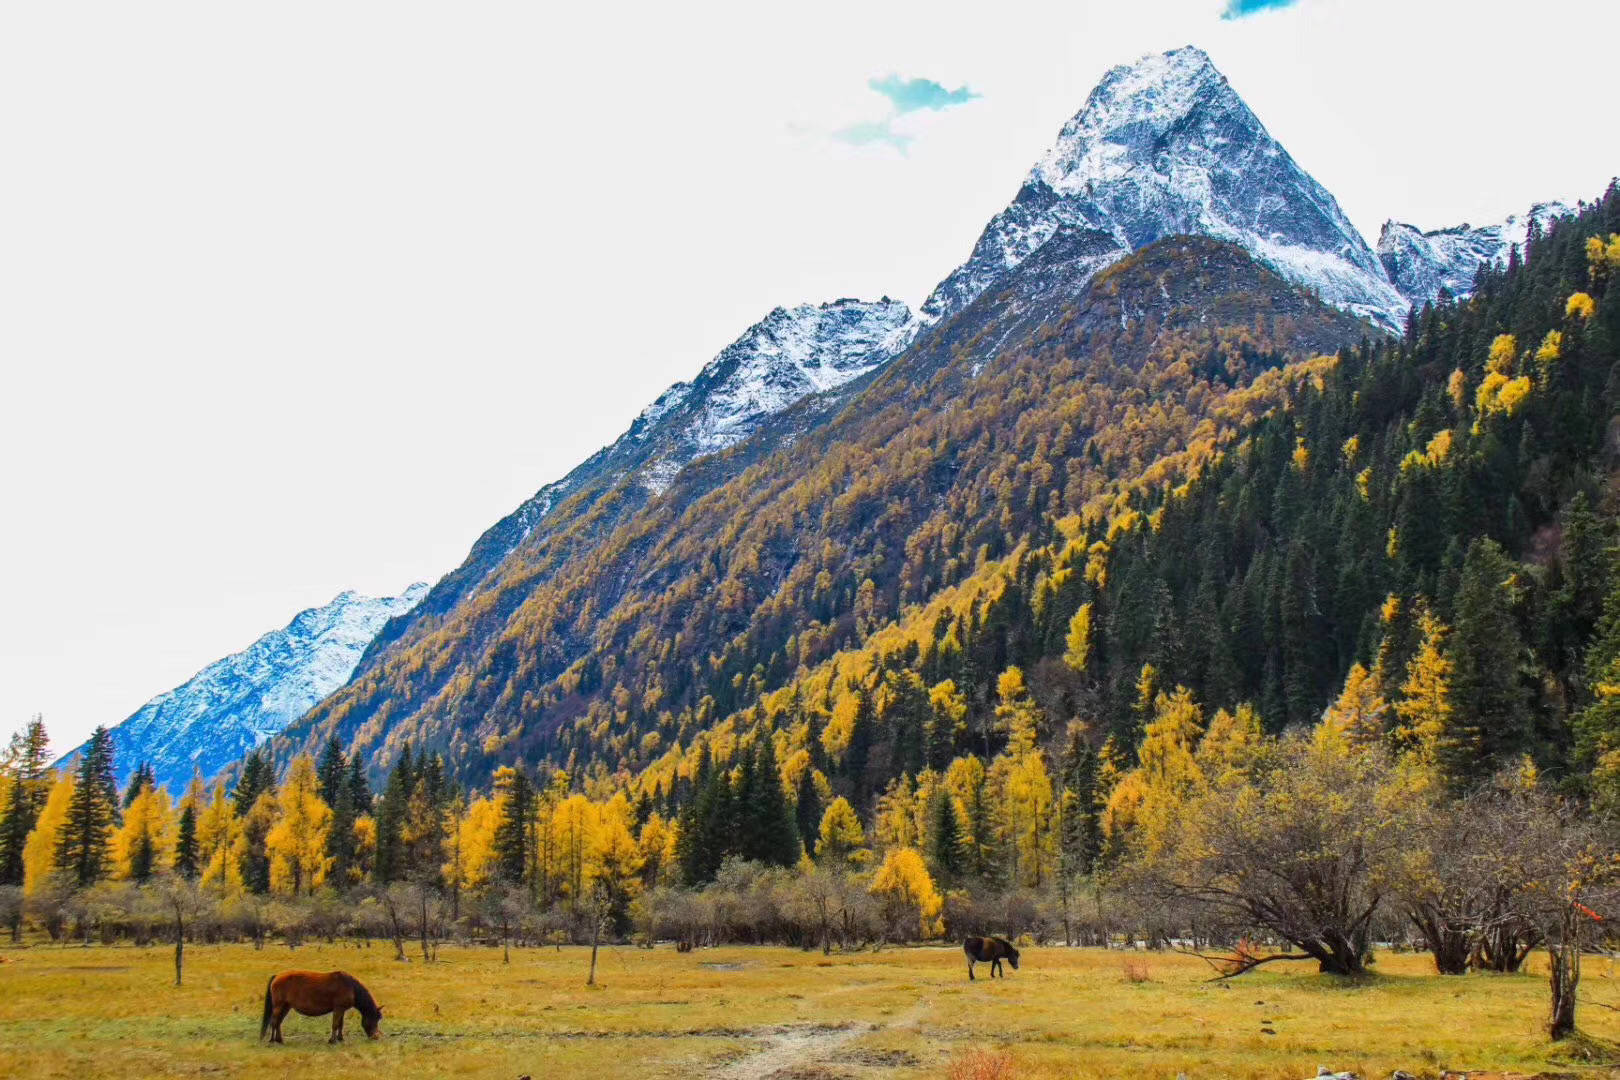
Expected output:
{"points": [[82, 848]]}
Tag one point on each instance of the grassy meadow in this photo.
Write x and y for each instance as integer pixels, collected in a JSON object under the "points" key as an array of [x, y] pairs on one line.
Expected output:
{"points": [[780, 1013]]}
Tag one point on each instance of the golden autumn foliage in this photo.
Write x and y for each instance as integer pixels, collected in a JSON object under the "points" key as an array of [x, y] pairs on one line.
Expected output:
{"points": [[1603, 256], [1499, 394], [908, 895], [39, 852], [143, 844], [1229, 745], [1077, 646], [297, 842], [1360, 713], [1457, 389], [1424, 707], [218, 833], [1435, 453], [841, 837], [476, 844], [1579, 306], [1143, 805], [1504, 349]]}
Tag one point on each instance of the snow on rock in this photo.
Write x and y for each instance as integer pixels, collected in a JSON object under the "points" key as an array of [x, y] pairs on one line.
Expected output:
{"points": [[234, 704], [1422, 264], [788, 355], [1162, 147]]}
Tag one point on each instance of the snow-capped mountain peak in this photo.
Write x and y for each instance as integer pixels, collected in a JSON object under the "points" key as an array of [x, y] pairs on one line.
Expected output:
{"points": [[236, 703], [1162, 147], [1421, 264]]}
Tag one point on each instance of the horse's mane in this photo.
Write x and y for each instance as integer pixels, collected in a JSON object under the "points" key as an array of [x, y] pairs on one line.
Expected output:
{"points": [[362, 997]]}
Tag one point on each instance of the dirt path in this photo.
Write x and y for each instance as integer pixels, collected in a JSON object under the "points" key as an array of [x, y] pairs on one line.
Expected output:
{"points": [[791, 1047]]}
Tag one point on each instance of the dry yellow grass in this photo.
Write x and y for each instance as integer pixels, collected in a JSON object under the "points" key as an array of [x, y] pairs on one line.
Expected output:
{"points": [[762, 1012]]}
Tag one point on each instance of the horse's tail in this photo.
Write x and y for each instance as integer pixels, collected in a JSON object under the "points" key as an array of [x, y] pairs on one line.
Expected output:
{"points": [[269, 1007]]}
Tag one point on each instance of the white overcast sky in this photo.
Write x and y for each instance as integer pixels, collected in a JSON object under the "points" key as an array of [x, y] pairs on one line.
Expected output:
{"points": [[301, 297]]}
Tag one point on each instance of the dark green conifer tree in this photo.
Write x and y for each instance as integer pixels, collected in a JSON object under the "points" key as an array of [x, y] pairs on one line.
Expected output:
{"points": [[1489, 702], [947, 859], [770, 834], [16, 822], [255, 780], [329, 771], [391, 811], [807, 809], [143, 779], [512, 832], [82, 847], [185, 844]]}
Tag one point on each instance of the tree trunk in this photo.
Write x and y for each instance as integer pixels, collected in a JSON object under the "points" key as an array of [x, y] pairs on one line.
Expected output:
{"points": [[1565, 976], [1504, 949], [1335, 953], [1450, 947], [179, 947], [596, 937], [399, 935]]}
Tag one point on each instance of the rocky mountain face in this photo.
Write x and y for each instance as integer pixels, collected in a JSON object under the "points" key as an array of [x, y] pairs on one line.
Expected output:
{"points": [[1164, 147], [1423, 264], [234, 704]]}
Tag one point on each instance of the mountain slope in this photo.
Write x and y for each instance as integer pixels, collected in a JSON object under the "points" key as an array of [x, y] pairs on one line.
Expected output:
{"points": [[682, 565], [791, 353], [1163, 147], [978, 435], [1422, 264], [234, 704]]}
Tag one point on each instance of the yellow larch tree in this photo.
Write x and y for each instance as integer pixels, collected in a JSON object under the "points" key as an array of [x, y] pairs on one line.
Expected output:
{"points": [[1360, 713], [1424, 707], [1229, 745], [1077, 646], [39, 851], [905, 890], [841, 839], [571, 825], [297, 843], [475, 846], [614, 860], [894, 822], [656, 843], [218, 832], [143, 844], [1146, 801]]}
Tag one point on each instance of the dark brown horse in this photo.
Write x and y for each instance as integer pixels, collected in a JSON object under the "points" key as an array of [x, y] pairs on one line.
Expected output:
{"points": [[316, 993], [992, 951]]}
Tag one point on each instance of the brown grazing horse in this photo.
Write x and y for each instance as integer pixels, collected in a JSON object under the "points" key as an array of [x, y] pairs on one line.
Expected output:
{"points": [[992, 951], [315, 993]]}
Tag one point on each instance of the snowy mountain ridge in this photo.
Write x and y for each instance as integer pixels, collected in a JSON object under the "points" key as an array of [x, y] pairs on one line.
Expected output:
{"points": [[1421, 264], [789, 354], [1162, 147], [231, 706]]}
